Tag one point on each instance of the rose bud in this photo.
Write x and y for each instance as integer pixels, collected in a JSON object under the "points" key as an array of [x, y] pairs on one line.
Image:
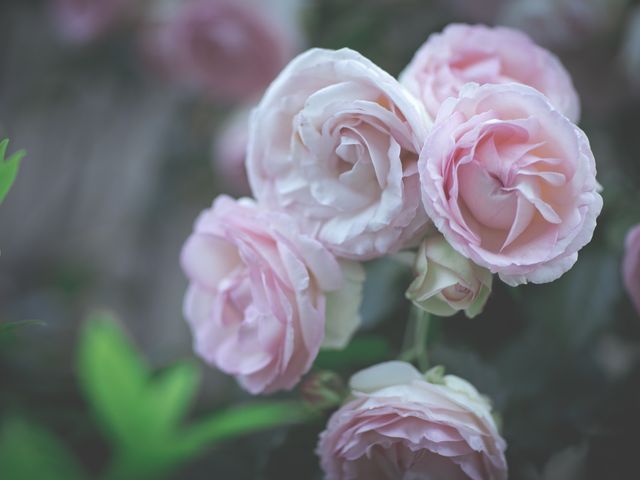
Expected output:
{"points": [[259, 295], [447, 282], [480, 54], [398, 425], [510, 182], [631, 266]]}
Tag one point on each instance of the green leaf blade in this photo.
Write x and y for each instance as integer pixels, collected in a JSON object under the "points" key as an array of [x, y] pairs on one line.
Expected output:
{"points": [[113, 378], [29, 451], [8, 168]]}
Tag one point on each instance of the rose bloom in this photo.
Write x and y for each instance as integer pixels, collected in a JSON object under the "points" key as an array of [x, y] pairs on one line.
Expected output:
{"points": [[631, 266], [400, 426], [257, 298], [480, 54], [446, 282], [229, 48], [230, 153], [510, 182], [335, 142], [82, 21]]}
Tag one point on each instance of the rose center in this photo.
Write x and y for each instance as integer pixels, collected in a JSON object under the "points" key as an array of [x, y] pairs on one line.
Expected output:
{"points": [[456, 293]]}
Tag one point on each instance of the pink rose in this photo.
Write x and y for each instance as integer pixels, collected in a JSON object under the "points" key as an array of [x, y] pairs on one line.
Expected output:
{"points": [[510, 182], [631, 266], [465, 53], [335, 142], [256, 302], [230, 152], [229, 48], [400, 426], [85, 20]]}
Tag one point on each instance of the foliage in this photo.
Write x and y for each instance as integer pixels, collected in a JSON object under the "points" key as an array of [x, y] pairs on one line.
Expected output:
{"points": [[8, 168]]}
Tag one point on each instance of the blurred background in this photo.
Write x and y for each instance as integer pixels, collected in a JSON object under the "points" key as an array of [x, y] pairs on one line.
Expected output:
{"points": [[133, 114]]}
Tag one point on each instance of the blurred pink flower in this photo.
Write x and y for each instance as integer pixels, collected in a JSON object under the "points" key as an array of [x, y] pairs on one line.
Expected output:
{"points": [[257, 297], [82, 21], [231, 49], [476, 53], [230, 153], [510, 182], [400, 426], [631, 266]]}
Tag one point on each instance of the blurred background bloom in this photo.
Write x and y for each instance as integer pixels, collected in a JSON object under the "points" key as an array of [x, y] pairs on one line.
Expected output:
{"points": [[229, 49], [82, 21]]}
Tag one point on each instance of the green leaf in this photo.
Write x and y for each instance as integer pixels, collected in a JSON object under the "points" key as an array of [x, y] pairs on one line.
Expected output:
{"points": [[143, 414], [362, 351], [8, 168], [113, 378], [170, 396], [242, 420], [28, 451]]}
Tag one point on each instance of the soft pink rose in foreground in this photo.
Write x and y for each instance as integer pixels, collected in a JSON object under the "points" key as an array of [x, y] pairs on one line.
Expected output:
{"points": [[335, 142], [631, 266], [399, 426], [510, 182], [230, 48], [256, 301], [85, 20], [230, 153], [465, 53]]}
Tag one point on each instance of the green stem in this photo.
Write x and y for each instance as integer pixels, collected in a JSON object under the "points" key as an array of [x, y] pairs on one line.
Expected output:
{"points": [[414, 346], [420, 339]]}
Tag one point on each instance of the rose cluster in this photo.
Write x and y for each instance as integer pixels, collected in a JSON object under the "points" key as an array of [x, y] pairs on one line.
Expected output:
{"points": [[472, 161]]}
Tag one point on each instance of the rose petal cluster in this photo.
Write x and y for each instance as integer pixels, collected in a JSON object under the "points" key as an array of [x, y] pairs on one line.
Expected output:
{"points": [[446, 282], [257, 299], [346, 164], [476, 53], [510, 182], [399, 425], [335, 143]]}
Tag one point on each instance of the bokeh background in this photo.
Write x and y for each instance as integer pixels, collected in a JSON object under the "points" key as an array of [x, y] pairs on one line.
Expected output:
{"points": [[133, 115]]}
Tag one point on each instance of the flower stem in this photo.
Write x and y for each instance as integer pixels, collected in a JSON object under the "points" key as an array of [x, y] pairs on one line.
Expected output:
{"points": [[414, 346], [420, 339]]}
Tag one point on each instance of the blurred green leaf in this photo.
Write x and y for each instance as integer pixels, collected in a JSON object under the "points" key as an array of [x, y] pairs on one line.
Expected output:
{"points": [[8, 168], [362, 351], [243, 419], [114, 378], [143, 414], [27, 452], [581, 303]]}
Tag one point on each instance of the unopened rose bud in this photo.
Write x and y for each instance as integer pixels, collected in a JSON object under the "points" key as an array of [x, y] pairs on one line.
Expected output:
{"points": [[447, 282]]}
